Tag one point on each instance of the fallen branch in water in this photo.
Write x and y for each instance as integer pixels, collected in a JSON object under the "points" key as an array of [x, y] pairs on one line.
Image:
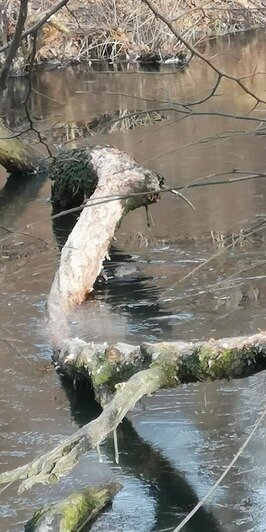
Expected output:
{"points": [[16, 156], [147, 367], [168, 364], [74, 512]]}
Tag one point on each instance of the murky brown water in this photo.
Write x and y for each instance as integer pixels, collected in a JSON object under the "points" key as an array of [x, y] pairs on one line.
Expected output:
{"points": [[181, 439]]}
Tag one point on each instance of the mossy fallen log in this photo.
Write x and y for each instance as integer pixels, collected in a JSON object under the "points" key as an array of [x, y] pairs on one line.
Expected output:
{"points": [[168, 364], [74, 512], [16, 156], [108, 365]]}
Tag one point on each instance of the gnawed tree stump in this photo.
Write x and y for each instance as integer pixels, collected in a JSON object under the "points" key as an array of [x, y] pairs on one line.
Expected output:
{"points": [[118, 178], [74, 512]]}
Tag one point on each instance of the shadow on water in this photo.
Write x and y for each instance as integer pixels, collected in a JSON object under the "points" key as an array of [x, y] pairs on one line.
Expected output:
{"points": [[122, 277], [192, 432], [18, 191], [173, 496]]}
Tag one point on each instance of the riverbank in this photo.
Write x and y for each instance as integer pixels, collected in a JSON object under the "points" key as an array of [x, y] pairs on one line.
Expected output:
{"points": [[126, 30]]}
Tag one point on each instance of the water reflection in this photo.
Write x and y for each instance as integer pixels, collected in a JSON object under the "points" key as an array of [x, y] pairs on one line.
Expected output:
{"points": [[191, 432], [172, 495]]}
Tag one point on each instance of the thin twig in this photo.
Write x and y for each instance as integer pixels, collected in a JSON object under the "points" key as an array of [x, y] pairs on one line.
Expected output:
{"points": [[38, 24], [15, 348], [222, 476], [105, 199]]}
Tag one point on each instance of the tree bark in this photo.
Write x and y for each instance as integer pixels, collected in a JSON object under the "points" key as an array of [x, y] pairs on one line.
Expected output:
{"points": [[169, 364], [16, 156]]}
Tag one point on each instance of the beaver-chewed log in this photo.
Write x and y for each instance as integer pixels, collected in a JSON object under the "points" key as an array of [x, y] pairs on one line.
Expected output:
{"points": [[74, 512], [75, 176], [117, 178]]}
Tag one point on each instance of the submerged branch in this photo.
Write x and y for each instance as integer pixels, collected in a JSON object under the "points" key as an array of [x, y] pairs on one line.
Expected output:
{"points": [[167, 364], [74, 512]]}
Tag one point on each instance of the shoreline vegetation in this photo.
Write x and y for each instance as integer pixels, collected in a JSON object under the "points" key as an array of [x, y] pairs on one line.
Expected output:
{"points": [[124, 30]]}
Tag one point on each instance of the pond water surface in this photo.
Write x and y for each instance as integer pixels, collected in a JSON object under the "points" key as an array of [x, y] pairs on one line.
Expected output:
{"points": [[179, 441]]}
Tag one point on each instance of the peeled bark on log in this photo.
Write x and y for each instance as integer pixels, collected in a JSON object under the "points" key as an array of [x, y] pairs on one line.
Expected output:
{"points": [[16, 156], [169, 364], [88, 243], [74, 512]]}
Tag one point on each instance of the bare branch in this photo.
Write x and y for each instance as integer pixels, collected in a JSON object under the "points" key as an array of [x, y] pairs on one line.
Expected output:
{"points": [[26, 101], [198, 54], [14, 44], [38, 24], [109, 198]]}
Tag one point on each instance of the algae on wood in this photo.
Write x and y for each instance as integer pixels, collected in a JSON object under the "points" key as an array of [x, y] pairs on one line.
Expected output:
{"points": [[16, 156], [74, 512], [169, 364]]}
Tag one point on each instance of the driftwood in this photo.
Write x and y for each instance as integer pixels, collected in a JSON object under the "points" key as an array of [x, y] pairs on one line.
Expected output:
{"points": [[74, 512]]}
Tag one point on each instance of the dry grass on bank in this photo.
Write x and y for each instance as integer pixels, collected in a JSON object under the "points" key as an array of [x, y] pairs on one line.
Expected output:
{"points": [[120, 29]]}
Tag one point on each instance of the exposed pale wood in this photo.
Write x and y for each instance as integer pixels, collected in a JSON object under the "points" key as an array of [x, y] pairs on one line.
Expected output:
{"points": [[88, 244]]}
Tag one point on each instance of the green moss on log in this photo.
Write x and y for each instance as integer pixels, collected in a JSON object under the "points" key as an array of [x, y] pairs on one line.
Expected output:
{"points": [[16, 156], [209, 363], [71, 513], [73, 178], [219, 364], [110, 368]]}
